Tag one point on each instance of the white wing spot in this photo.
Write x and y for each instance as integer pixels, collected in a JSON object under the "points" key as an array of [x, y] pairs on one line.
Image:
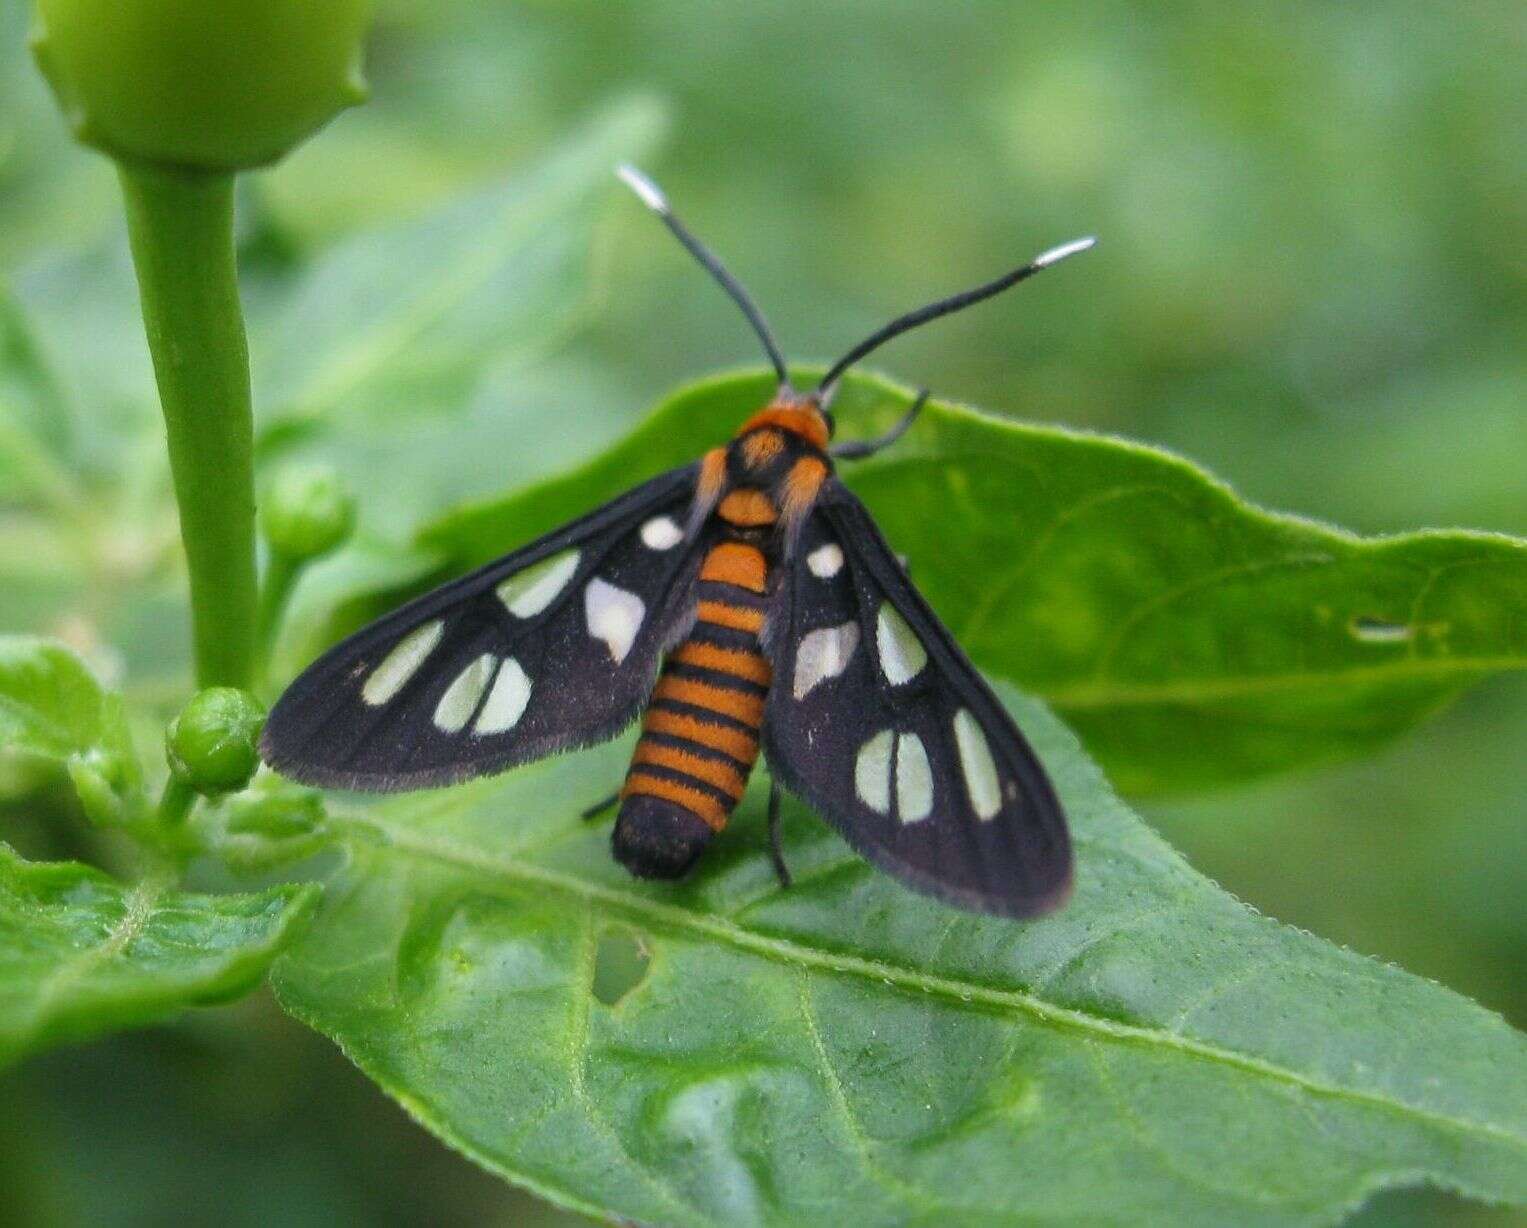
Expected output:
{"points": [[613, 615], [661, 533], [826, 561], [914, 779], [506, 701], [823, 654], [460, 699], [399, 665], [872, 772], [526, 593], [976, 763], [902, 655]]}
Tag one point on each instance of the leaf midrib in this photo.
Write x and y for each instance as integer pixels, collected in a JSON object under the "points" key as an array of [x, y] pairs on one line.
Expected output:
{"points": [[959, 994], [1110, 693], [137, 908]]}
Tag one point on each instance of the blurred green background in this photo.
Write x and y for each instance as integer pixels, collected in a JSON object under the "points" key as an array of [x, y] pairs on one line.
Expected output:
{"points": [[1311, 280]]}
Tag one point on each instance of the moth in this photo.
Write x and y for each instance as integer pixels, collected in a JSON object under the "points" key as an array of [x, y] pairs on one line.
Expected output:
{"points": [[744, 604]]}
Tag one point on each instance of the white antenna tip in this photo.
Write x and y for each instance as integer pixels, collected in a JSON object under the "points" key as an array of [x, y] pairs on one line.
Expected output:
{"points": [[651, 195], [1056, 254]]}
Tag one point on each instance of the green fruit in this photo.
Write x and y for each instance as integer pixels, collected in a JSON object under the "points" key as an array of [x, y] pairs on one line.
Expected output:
{"points": [[306, 512], [208, 84], [214, 744]]}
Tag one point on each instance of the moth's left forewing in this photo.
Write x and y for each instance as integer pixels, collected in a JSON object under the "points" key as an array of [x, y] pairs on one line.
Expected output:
{"points": [[554, 646], [879, 720]]}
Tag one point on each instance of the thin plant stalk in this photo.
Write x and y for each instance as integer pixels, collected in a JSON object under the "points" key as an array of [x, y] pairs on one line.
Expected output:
{"points": [[180, 223]]}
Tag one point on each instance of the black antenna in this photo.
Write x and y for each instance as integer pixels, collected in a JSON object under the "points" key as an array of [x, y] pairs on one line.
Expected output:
{"points": [[955, 302], [654, 199]]}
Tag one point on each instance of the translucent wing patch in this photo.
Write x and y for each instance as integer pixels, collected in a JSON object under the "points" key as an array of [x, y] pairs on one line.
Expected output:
{"points": [[553, 646], [880, 721]]}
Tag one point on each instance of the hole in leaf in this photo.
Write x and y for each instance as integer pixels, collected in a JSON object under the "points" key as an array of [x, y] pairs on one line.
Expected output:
{"points": [[1378, 630], [620, 965]]}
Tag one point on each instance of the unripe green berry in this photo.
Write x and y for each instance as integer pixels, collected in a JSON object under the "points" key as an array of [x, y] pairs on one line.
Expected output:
{"points": [[209, 84], [214, 744], [306, 512]]}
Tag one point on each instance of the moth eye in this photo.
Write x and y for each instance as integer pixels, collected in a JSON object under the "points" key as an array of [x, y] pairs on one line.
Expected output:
{"points": [[832, 423]]}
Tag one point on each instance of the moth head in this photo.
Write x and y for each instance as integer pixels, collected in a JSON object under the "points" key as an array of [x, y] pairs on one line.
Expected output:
{"points": [[800, 416]]}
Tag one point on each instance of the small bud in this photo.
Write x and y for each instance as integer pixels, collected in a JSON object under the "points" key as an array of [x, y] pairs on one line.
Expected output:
{"points": [[213, 745], [306, 512], [206, 84]]}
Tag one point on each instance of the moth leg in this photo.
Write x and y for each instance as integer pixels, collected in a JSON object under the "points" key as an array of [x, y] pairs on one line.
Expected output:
{"points": [[599, 807], [776, 850], [858, 449]]}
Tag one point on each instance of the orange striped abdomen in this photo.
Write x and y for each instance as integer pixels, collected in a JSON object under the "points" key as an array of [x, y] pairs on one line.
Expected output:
{"points": [[700, 734]]}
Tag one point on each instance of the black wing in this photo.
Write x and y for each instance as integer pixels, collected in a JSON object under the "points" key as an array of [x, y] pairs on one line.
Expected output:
{"points": [[553, 646], [878, 719]]}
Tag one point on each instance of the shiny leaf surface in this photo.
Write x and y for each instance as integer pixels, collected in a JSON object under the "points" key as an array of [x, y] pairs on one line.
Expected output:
{"points": [[726, 1052], [81, 955]]}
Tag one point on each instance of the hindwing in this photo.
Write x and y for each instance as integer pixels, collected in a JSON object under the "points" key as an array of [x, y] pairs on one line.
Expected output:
{"points": [[878, 719]]}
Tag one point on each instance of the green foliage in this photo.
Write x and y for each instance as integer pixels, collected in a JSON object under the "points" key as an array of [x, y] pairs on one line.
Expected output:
{"points": [[53, 712], [31, 422], [1189, 637], [51, 706], [81, 954], [845, 1050], [1301, 284], [400, 321]]}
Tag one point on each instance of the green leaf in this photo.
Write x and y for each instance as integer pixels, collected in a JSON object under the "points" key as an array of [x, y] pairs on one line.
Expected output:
{"points": [[404, 318], [81, 954], [1190, 638], [722, 1051], [34, 423], [53, 710], [270, 824]]}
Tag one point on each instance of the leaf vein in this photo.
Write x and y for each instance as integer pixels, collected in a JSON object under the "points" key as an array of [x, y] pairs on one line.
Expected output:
{"points": [[958, 993], [581, 995], [139, 907]]}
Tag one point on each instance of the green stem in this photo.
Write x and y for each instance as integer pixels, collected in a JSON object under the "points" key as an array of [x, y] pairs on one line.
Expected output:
{"points": [[175, 803], [181, 226], [168, 840], [280, 576]]}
